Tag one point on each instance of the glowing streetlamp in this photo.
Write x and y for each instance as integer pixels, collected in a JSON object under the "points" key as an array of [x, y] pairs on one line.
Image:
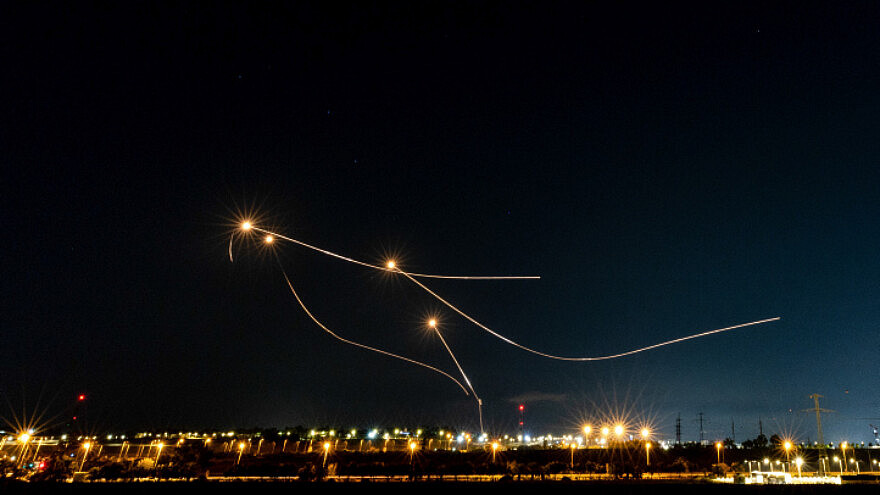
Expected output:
{"points": [[587, 430], [572, 454], [158, 453], [86, 446], [23, 441], [718, 451], [647, 453], [618, 431], [494, 449], [799, 462], [839, 463], [853, 460], [843, 451], [412, 451], [326, 451], [240, 451], [787, 446]]}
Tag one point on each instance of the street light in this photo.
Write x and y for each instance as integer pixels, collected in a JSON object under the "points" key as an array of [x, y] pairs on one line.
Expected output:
{"points": [[718, 451], [787, 447], [572, 455], [240, 451], [843, 450], [618, 430], [326, 451], [86, 446], [799, 461], [648, 453], [494, 449], [587, 430], [839, 463], [853, 460]]}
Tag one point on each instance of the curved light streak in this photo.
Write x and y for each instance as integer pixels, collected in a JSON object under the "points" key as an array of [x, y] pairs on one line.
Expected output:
{"points": [[386, 269], [592, 358], [362, 346], [466, 380]]}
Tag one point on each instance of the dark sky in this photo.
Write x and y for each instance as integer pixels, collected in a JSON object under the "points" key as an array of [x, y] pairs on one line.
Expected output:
{"points": [[666, 171]]}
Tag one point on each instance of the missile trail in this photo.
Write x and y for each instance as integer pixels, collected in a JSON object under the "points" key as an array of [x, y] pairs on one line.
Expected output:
{"points": [[386, 269], [362, 346], [594, 358], [433, 325]]}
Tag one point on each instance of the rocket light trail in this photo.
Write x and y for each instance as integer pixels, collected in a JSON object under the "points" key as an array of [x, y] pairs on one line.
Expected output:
{"points": [[362, 346], [594, 358], [392, 267], [433, 325]]}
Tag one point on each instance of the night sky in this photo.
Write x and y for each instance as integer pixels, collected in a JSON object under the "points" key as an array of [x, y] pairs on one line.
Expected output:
{"points": [[665, 171]]}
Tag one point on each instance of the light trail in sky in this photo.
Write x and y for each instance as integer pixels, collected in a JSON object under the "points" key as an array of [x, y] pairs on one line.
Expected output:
{"points": [[392, 267], [591, 358], [362, 346], [382, 268], [433, 324]]}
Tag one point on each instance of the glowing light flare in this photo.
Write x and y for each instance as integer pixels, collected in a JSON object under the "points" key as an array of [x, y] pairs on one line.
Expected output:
{"points": [[391, 264], [587, 429], [645, 433], [432, 323], [605, 431], [618, 430], [268, 239], [246, 225]]}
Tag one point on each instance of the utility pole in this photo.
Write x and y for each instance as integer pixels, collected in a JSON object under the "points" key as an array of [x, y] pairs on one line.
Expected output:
{"points": [[678, 429], [818, 410], [702, 433]]}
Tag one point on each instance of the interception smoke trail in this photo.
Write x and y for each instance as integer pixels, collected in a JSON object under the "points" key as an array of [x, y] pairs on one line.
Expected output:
{"points": [[386, 269], [563, 358], [362, 346]]}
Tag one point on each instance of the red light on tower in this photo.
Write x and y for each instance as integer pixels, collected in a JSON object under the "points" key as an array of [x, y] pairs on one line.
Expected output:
{"points": [[81, 397], [522, 407]]}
